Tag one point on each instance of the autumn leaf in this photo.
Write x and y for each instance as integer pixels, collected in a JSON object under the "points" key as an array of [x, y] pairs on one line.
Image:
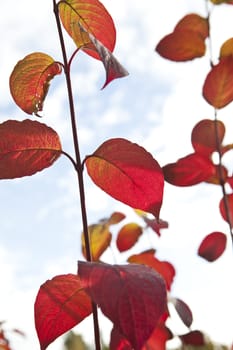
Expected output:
{"points": [[226, 49], [212, 246], [218, 85], [195, 23], [133, 297], [100, 239], [204, 137], [181, 45], [189, 170], [61, 304], [81, 18], [222, 207], [164, 268], [159, 338], [128, 236], [128, 173], [219, 2], [118, 341], [29, 81], [26, 147], [193, 338], [183, 310], [115, 218]]}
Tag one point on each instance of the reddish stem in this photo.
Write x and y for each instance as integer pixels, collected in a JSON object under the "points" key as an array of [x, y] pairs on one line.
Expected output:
{"points": [[79, 168]]}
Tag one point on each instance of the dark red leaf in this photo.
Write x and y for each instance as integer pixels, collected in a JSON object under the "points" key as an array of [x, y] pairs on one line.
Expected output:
{"points": [[61, 304], [194, 338], [183, 311], [212, 246], [164, 268], [29, 81], [156, 224], [229, 200], [26, 147], [181, 45], [218, 86], [195, 23], [189, 171], [128, 173], [128, 236], [204, 136], [133, 297]]}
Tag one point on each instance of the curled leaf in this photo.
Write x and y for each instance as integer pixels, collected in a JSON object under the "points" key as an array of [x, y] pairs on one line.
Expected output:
{"points": [[26, 147], [133, 297], [29, 81], [128, 173]]}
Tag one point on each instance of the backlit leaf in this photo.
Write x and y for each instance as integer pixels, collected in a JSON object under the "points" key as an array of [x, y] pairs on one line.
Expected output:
{"points": [[204, 136], [133, 297], [128, 173], [219, 177], [189, 171], [61, 304], [29, 81], [183, 311], [226, 48], [128, 236], [100, 239], [212, 246], [26, 147], [81, 18], [229, 200], [181, 45], [194, 338], [159, 338], [218, 86], [164, 268], [116, 218], [118, 341], [195, 23]]}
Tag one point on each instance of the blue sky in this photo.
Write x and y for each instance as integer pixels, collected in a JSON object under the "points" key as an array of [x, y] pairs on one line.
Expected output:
{"points": [[156, 106]]}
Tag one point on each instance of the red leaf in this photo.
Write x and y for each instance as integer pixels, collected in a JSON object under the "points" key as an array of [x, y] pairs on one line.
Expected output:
{"points": [[133, 297], [156, 224], [118, 341], [164, 268], [183, 311], [218, 86], [195, 23], [81, 18], [29, 81], [194, 338], [100, 239], [181, 45], [128, 173], [189, 171], [212, 246], [128, 236], [158, 339], [204, 136], [229, 199], [26, 147], [112, 66], [61, 304]]}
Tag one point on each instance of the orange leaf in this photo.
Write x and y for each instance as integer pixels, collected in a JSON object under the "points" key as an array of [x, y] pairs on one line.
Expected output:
{"points": [[29, 81], [219, 2], [115, 218], [164, 268], [128, 236], [204, 136], [81, 18], [194, 23], [226, 48], [100, 239], [128, 173], [61, 304], [218, 86], [26, 147], [181, 45]]}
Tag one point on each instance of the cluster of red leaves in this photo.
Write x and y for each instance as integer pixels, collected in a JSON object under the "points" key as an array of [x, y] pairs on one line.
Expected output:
{"points": [[4, 341]]}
